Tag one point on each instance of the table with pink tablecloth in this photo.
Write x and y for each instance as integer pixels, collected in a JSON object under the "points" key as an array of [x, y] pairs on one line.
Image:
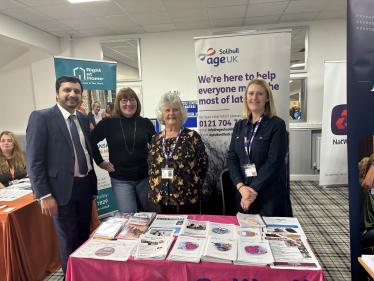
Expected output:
{"points": [[140, 270]]}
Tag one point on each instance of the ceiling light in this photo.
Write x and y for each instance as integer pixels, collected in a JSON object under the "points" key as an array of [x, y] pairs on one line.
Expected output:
{"points": [[298, 64], [291, 81], [80, 1]]}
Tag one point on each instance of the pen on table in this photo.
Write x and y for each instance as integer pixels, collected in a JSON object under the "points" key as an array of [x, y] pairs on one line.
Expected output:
{"points": [[103, 238], [251, 221]]}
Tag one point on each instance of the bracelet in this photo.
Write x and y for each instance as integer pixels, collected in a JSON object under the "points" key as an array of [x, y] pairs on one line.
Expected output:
{"points": [[240, 186]]}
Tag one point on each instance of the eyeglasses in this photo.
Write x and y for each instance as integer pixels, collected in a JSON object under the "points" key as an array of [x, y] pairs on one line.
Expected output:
{"points": [[132, 101], [6, 140]]}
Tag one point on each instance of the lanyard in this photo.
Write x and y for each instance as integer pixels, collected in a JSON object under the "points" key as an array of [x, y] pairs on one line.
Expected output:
{"points": [[10, 169], [174, 145], [248, 149]]}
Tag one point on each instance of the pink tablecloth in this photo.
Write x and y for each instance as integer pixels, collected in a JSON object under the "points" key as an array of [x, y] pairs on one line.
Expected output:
{"points": [[132, 270]]}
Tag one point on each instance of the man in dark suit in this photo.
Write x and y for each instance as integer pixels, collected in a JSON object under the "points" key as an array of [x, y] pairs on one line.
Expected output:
{"points": [[59, 164]]}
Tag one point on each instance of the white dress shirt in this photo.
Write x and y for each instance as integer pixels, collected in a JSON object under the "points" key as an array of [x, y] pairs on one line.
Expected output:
{"points": [[97, 117]]}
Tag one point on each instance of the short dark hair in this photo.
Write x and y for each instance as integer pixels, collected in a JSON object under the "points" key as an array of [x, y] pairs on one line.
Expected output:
{"points": [[67, 78]]}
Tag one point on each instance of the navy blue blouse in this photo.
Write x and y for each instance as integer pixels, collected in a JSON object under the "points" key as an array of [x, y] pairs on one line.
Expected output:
{"points": [[268, 153]]}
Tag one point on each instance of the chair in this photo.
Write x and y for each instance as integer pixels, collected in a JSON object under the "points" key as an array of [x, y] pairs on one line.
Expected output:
{"points": [[228, 194]]}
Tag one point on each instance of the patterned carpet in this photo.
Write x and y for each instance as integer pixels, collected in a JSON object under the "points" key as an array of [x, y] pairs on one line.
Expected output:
{"points": [[323, 214]]}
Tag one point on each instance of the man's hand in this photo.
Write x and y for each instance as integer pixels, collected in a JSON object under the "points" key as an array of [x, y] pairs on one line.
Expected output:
{"points": [[106, 165], [49, 206]]}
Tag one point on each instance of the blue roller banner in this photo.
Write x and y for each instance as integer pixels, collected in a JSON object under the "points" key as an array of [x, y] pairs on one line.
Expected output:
{"points": [[360, 102], [94, 75]]}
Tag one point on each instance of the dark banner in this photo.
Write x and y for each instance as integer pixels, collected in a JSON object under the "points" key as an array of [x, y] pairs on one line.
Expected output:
{"points": [[360, 127]]}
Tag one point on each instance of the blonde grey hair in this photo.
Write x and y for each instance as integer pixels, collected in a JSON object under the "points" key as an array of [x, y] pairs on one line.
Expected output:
{"points": [[170, 98], [94, 103], [363, 163]]}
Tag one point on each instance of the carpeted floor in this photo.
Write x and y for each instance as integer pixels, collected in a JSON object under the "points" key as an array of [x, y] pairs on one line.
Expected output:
{"points": [[323, 214]]}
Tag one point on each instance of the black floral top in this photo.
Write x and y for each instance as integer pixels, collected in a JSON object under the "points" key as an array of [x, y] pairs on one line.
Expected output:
{"points": [[190, 163]]}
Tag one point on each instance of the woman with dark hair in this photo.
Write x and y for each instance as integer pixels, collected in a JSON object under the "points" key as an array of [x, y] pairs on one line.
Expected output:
{"points": [[12, 159], [108, 110], [127, 135]]}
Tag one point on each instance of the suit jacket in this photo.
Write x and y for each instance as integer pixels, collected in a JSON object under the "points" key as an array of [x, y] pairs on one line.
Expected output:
{"points": [[268, 153], [92, 119], [50, 155]]}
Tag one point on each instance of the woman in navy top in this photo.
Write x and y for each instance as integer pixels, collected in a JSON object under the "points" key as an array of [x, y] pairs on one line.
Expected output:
{"points": [[255, 167]]}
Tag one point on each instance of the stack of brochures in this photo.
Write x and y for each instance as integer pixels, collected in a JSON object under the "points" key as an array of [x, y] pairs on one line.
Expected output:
{"points": [[110, 228], [125, 216], [284, 223], [116, 250], [221, 230], [369, 261], [135, 227], [220, 249], [187, 249], [170, 222], [254, 253], [292, 254], [195, 228], [150, 215], [254, 234], [151, 247], [160, 232], [249, 220]]}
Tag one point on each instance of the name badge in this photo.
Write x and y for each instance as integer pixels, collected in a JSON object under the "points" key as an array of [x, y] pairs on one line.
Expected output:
{"points": [[250, 170], [167, 173]]}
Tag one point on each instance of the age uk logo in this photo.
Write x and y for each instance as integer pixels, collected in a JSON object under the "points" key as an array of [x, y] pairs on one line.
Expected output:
{"points": [[209, 53], [339, 120]]}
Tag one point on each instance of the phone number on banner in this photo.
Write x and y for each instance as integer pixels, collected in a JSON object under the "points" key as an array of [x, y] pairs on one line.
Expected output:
{"points": [[219, 123]]}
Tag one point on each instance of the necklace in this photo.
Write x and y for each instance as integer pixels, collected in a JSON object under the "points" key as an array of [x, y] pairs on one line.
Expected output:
{"points": [[133, 147]]}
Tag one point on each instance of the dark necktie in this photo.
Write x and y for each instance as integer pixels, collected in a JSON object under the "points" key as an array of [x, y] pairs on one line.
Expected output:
{"points": [[82, 161]]}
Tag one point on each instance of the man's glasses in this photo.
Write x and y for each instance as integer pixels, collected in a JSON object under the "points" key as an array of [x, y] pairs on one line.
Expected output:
{"points": [[132, 101]]}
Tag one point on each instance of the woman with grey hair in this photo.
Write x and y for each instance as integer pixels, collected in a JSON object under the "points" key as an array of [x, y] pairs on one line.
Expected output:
{"points": [[177, 162]]}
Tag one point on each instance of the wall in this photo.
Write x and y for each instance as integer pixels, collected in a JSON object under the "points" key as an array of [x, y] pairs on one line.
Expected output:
{"points": [[168, 60], [168, 63]]}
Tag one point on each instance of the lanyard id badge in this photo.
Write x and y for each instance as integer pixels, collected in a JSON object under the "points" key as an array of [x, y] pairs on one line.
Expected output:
{"points": [[167, 173], [250, 170]]}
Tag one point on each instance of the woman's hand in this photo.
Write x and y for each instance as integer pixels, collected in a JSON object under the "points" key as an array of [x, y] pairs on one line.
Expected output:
{"points": [[248, 196], [1, 186], [107, 166]]}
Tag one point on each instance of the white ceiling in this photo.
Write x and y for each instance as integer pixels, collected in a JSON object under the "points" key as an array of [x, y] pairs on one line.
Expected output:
{"points": [[121, 17]]}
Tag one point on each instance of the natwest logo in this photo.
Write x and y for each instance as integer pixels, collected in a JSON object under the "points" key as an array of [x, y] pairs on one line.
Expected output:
{"points": [[216, 61], [339, 120]]}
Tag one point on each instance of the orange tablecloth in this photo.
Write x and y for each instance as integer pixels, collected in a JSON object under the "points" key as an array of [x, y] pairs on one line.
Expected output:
{"points": [[29, 248]]}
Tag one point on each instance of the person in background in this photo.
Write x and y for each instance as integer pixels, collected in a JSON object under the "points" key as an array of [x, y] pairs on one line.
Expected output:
{"points": [[177, 162], [366, 206], [60, 167], [257, 153], [108, 110], [80, 108], [127, 135], [12, 159], [297, 112], [94, 116], [362, 169]]}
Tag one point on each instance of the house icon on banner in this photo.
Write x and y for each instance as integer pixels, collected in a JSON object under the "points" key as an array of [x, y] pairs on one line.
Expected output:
{"points": [[79, 72]]}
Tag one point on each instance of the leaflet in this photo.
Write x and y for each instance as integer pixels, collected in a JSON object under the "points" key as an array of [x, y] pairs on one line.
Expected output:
{"points": [[160, 232], [257, 253], [132, 231], [250, 220], [109, 228], [195, 228], [187, 249], [283, 232], [169, 222], [253, 234], [292, 254], [152, 247], [11, 194], [221, 230], [286, 222], [220, 249], [116, 250]]}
